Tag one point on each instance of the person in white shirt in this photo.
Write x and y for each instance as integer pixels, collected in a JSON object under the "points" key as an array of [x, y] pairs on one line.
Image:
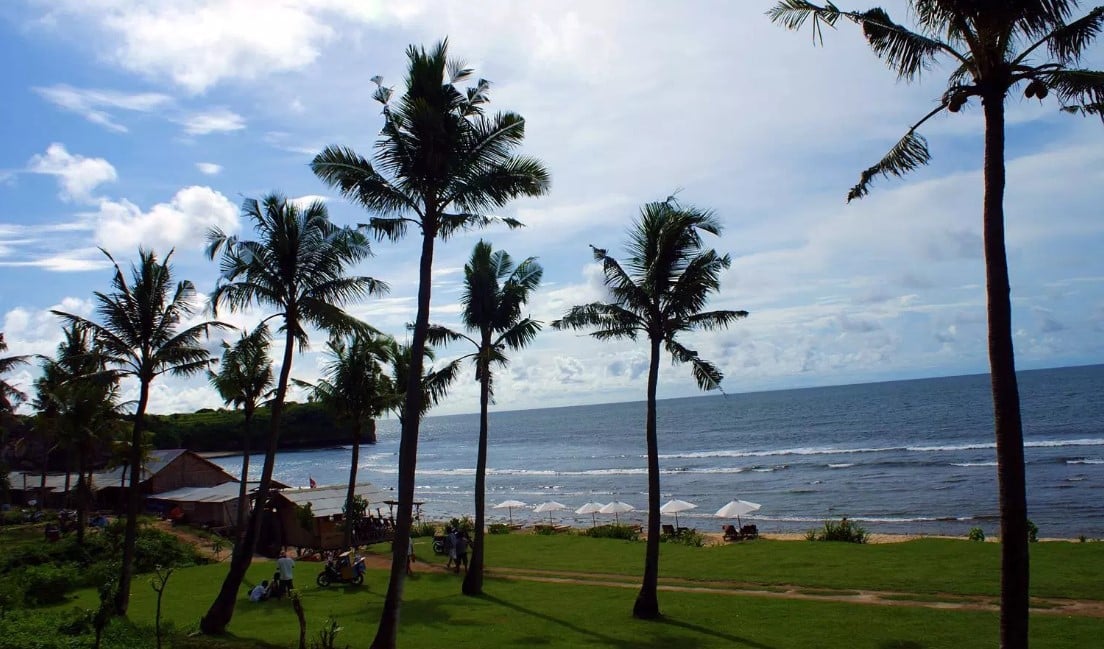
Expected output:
{"points": [[285, 565], [259, 592]]}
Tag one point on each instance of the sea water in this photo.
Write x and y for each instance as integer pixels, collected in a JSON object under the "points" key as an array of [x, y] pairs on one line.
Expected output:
{"points": [[899, 457]]}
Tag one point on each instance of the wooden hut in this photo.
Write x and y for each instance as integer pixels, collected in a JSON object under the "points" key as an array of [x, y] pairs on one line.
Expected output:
{"points": [[311, 518], [163, 471]]}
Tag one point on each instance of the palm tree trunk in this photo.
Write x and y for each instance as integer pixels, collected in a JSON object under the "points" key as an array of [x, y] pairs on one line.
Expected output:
{"points": [[243, 488], [82, 493], [68, 476], [1006, 396], [134, 501], [222, 609], [647, 601], [473, 581], [351, 494], [388, 629]]}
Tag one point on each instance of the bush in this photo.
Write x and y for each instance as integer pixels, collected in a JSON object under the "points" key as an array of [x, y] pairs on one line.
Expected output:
{"points": [[693, 538], [844, 531], [498, 528], [421, 528], [976, 534], [1032, 532], [624, 532], [46, 584], [464, 524]]}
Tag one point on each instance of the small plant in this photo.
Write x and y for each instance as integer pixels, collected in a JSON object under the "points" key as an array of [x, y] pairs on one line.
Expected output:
{"points": [[976, 534], [624, 532], [217, 546], [844, 531], [1032, 532], [498, 528], [327, 635], [105, 611], [422, 528], [693, 538], [158, 583], [46, 584], [463, 524], [1081, 538], [297, 606]]}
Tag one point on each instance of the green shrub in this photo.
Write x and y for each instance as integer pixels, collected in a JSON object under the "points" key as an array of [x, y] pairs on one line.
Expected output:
{"points": [[327, 635], [976, 534], [1032, 531], [422, 528], [693, 538], [498, 528], [624, 532], [463, 524], [46, 584], [844, 531]]}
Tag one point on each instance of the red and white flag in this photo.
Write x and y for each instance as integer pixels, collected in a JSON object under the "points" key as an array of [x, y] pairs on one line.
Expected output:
{"points": [[313, 484]]}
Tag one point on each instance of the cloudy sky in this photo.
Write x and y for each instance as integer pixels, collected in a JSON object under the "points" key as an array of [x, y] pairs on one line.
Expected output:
{"points": [[130, 123]]}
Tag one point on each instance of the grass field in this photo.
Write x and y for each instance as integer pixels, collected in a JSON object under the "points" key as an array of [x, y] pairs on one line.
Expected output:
{"points": [[519, 610]]}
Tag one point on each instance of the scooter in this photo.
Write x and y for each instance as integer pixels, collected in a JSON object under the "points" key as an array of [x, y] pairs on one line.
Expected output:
{"points": [[342, 571]]}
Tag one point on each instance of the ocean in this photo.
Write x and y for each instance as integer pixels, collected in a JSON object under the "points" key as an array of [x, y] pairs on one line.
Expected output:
{"points": [[898, 457]]}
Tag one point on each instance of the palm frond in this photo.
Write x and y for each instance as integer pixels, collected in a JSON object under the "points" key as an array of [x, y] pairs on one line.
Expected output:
{"points": [[713, 320], [520, 335], [793, 14], [706, 374], [441, 335], [910, 152], [1068, 42], [356, 179], [1080, 91], [610, 320], [903, 50]]}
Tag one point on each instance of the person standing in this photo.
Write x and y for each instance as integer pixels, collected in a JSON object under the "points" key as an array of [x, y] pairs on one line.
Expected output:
{"points": [[451, 536], [410, 556], [461, 544], [285, 565]]}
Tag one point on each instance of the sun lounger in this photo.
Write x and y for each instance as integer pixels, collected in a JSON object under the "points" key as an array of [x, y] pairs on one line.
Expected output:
{"points": [[669, 530], [730, 533]]}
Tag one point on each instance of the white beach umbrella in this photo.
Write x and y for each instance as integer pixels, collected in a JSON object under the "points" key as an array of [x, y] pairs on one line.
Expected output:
{"points": [[616, 507], [737, 508], [675, 506], [550, 506], [509, 505], [591, 508]]}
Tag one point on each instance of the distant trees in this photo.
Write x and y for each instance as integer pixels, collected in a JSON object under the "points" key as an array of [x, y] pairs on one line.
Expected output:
{"points": [[494, 293], [142, 335], [658, 294], [297, 267], [440, 165], [994, 46]]}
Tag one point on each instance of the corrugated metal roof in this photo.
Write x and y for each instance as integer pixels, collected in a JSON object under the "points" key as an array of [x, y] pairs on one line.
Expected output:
{"points": [[330, 499], [34, 480], [155, 461], [224, 492]]}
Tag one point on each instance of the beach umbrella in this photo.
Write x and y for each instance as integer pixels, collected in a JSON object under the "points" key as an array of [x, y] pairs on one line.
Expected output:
{"points": [[591, 508], [737, 508], [676, 506], [509, 505], [550, 506], [616, 508]]}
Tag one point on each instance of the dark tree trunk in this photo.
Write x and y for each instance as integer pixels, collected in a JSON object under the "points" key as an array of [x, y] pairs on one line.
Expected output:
{"points": [[647, 601], [82, 493], [243, 488], [473, 581], [222, 610], [1006, 396], [134, 500], [68, 477], [388, 629], [352, 485]]}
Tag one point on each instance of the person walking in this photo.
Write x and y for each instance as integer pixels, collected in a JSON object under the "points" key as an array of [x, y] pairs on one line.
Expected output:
{"points": [[451, 536], [285, 565], [461, 545]]}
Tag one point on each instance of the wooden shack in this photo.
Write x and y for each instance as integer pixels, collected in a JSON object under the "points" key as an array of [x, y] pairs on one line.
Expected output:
{"points": [[163, 471], [323, 529]]}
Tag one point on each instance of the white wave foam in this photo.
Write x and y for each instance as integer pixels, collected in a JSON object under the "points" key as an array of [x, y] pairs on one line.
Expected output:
{"points": [[823, 450], [973, 464], [1085, 461], [842, 465]]}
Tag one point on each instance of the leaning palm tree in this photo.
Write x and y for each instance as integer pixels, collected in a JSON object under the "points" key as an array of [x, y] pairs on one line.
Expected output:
{"points": [[141, 337], [659, 293], [494, 293], [994, 46], [243, 379], [354, 387], [298, 267], [440, 165]]}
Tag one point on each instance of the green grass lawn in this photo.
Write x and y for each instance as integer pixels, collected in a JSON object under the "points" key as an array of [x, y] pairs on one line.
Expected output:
{"points": [[517, 613]]}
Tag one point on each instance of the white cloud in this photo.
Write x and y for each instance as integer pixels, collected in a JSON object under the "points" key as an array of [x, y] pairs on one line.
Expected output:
{"points": [[77, 175], [181, 222], [209, 168], [95, 104], [217, 120]]}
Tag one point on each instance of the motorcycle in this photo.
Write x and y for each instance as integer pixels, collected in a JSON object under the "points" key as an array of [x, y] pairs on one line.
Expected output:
{"points": [[342, 570]]}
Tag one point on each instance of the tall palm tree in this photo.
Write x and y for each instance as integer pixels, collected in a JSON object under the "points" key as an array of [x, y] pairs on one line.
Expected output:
{"points": [[244, 378], [494, 293], [994, 46], [10, 396], [433, 386], [659, 293], [142, 337], [298, 267], [440, 165], [354, 387]]}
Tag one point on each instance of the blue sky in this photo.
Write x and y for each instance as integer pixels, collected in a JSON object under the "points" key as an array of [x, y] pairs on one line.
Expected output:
{"points": [[136, 122]]}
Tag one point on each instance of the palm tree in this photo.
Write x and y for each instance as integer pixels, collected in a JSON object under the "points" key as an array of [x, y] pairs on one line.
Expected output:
{"points": [[354, 387], [298, 267], [244, 378], [440, 165], [10, 396], [995, 47], [659, 293], [433, 386], [494, 293], [141, 337]]}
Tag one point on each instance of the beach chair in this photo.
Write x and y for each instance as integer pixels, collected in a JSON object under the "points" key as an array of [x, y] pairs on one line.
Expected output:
{"points": [[730, 533], [669, 530], [749, 532]]}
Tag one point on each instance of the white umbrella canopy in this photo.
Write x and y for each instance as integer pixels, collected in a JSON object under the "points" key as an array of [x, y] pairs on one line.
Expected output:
{"points": [[737, 508], [675, 506], [616, 507], [509, 505], [550, 506], [591, 508]]}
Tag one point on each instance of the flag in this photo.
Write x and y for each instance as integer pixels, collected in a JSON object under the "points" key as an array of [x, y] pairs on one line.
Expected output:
{"points": [[313, 484]]}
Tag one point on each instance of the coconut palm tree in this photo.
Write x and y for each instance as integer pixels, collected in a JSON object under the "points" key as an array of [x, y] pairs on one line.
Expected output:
{"points": [[995, 47], [141, 337], [244, 378], [434, 384], [440, 165], [10, 396], [354, 387], [298, 267], [659, 294], [494, 293]]}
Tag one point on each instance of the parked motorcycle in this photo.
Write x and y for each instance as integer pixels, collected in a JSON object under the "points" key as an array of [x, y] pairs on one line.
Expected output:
{"points": [[342, 570]]}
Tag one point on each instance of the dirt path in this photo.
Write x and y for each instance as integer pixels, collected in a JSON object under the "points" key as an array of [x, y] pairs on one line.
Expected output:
{"points": [[202, 545]]}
